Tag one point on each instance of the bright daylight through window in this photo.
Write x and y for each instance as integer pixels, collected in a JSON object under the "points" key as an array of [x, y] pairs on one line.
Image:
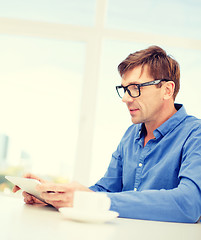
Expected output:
{"points": [[57, 57]]}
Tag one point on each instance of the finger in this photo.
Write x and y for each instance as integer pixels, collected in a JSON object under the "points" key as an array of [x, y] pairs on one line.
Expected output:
{"points": [[53, 187], [29, 199], [25, 194], [32, 176], [57, 196], [15, 189]]}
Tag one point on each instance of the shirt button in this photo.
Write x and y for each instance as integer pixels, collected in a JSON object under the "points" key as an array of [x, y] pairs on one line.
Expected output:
{"points": [[140, 164], [135, 189]]}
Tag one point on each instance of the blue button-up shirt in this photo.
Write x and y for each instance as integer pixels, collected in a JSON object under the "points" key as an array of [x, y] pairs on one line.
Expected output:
{"points": [[161, 181]]}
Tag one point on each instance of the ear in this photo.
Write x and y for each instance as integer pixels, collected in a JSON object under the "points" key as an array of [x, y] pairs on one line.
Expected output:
{"points": [[168, 90]]}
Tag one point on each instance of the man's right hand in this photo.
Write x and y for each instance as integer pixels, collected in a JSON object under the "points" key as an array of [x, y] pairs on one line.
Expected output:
{"points": [[29, 199]]}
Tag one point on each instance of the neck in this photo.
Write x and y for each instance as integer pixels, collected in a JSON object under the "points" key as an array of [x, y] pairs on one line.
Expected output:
{"points": [[166, 113]]}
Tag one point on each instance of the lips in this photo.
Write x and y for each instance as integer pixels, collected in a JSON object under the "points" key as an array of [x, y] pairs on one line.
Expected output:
{"points": [[133, 110]]}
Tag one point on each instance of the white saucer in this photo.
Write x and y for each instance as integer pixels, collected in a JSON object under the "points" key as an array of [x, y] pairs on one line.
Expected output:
{"points": [[87, 216]]}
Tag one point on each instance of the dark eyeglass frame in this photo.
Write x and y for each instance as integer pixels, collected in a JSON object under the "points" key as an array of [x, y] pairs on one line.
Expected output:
{"points": [[155, 82]]}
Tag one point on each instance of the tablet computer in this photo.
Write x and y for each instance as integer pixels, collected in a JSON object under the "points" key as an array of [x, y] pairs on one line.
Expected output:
{"points": [[26, 184]]}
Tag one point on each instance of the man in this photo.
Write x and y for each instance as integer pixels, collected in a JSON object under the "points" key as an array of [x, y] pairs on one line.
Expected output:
{"points": [[155, 173]]}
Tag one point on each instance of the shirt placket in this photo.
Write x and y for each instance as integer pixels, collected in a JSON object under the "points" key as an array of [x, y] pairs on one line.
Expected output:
{"points": [[140, 165]]}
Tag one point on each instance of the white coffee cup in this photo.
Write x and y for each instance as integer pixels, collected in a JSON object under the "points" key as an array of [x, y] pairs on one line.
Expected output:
{"points": [[91, 201]]}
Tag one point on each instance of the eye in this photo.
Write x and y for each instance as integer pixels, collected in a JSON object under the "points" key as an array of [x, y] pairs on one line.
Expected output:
{"points": [[133, 87]]}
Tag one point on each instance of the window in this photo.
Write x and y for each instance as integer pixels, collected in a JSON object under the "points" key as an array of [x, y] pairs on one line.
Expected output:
{"points": [[41, 84], [174, 17], [74, 12], [57, 117]]}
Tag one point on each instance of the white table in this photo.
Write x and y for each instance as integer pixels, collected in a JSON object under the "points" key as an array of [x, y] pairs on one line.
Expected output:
{"points": [[20, 221]]}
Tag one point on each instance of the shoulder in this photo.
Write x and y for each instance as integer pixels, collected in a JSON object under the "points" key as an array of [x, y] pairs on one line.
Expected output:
{"points": [[192, 123], [190, 131], [187, 123]]}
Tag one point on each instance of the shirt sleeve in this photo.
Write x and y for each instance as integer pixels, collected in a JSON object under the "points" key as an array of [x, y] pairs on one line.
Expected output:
{"points": [[112, 180], [181, 204]]}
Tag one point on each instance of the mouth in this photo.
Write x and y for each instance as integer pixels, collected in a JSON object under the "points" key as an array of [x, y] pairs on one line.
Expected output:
{"points": [[133, 110]]}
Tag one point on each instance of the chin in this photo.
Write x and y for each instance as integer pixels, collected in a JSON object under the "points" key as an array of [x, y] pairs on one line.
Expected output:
{"points": [[135, 121]]}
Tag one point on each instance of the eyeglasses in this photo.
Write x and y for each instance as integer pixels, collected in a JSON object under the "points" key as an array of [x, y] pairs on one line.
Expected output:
{"points": [[134, 89]]}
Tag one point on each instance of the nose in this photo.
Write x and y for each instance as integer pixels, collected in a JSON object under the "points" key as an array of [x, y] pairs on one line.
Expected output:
{"points": [[127, 98]]}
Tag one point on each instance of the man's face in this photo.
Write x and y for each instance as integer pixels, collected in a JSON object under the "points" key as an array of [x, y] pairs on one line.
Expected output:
{"points": [[147, 107]]}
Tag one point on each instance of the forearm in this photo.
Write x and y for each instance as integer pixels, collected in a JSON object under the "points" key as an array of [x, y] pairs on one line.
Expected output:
{"points": [[108, 184], [182, 204]]}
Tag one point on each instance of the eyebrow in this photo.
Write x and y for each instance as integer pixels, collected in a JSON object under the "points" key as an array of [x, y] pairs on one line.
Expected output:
{"points": [[130, 83]]}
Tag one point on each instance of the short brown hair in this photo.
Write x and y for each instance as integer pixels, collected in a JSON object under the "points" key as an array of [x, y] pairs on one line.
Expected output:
{"points": [[160, 65]]}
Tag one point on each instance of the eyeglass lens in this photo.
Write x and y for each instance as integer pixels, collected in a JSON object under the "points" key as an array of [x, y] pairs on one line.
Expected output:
{"points": [[132, 90]]}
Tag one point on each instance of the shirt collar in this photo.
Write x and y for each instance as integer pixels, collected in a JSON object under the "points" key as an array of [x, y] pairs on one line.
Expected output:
{"points": [[167, 126], [172, 122]]}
